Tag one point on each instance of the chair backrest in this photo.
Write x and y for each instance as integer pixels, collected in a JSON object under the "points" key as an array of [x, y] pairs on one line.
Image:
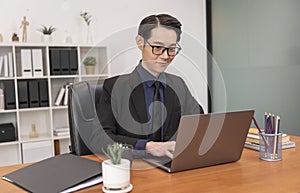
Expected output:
{"points": [[83, 98]]}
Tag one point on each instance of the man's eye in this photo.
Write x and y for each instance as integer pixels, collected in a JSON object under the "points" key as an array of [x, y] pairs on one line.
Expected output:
{"points": [[172, 49], [157, 47]]}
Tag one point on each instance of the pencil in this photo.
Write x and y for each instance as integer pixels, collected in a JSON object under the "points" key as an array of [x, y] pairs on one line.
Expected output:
{"points": [[278, 124], [274, 124], [265, 122], [276, 136], [259, 130]]}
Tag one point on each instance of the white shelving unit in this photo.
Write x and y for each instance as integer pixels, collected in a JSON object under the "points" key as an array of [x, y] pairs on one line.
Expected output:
{"points": [[46, 118]]}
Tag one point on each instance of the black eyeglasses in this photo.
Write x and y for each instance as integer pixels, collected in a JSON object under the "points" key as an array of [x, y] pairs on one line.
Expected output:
{"points": [[159, 50]]}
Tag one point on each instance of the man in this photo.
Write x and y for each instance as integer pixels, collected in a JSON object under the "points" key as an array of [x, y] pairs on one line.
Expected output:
{"points": [[143, 108]]}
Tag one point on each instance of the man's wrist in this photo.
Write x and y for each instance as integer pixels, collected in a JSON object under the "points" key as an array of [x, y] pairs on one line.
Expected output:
{"points": [[140, 144]]}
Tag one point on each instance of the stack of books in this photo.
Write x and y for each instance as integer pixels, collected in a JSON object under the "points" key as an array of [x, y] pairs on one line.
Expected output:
{"points": [[252, 141], [61, 131]]}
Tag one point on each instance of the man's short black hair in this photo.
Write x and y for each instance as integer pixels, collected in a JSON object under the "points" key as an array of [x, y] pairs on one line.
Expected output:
{"points": [[152, 21]]}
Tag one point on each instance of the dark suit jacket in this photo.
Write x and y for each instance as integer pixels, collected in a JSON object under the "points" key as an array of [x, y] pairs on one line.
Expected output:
{"points": [[122, 109]]}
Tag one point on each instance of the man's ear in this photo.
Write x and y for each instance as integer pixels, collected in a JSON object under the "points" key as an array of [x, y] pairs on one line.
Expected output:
{"points": [[139, 41]]}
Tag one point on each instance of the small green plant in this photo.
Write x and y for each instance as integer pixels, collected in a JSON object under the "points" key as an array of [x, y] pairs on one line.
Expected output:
{"points": [[114, 153], [47, 30], [89, 61]]}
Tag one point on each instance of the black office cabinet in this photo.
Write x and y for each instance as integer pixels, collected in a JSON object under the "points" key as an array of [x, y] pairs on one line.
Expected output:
{"points": [[54, 55], [9, 94], [43, 93], [23, 94], [73, 62], [33, 91]]}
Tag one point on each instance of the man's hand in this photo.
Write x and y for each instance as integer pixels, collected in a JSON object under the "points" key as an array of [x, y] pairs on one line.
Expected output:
{"points": [[161, 148]]}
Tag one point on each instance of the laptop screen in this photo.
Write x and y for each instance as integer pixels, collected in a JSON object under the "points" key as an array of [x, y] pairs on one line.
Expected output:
{"points": [[209, 139]]}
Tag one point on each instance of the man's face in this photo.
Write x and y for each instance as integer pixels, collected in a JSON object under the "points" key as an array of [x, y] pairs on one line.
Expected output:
{"points": [[156, 64]]}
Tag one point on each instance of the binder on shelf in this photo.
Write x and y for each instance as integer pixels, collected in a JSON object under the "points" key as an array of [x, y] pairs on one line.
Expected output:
{"points": [[33, 91], [1, 100], [10, 65], [1, 65], [73, 68], [60, 96], [5, 66], [23, 94], [26, 66], [9, 94], [37, 62], [54, 56], [66, 97], [43, 93], [64, 61], [63, 171]]}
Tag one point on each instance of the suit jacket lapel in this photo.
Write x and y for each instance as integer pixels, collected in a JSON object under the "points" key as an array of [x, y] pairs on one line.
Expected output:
{"points": [[168, 101], [137, 98]]}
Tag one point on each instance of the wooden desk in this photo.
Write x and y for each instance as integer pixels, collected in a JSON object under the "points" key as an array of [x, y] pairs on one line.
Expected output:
{"points": [[249, 174]]}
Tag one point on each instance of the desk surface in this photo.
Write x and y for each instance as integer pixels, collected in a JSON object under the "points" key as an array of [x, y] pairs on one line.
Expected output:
{"points": [[249, 174]]}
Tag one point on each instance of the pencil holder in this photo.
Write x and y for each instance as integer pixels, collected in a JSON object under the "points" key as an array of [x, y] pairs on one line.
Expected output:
{"points": [[270, 147]]}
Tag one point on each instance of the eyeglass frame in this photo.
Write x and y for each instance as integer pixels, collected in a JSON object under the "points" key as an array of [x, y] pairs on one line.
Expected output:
{"points": [[164, 49]]}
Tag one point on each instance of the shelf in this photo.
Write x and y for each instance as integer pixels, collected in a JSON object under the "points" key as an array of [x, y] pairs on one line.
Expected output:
{"points": [[25, 78], [61, 137], [60, 107], [42, 137], [34, 109], [24, 44], [60, 64], [8, 111], [7, 78], [9, 143], [95, 76], [5, 44], [63, 76]]}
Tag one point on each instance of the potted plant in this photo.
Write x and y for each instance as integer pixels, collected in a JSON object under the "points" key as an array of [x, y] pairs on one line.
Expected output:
{"points": [[89, 63], [88, 19], [47, 31], [115, 170]]}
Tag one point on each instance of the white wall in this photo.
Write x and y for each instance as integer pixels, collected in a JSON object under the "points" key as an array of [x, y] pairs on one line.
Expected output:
{"points": [[108, 16], [110, 21]]}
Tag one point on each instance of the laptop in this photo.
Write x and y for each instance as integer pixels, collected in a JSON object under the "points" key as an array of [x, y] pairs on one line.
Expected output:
{"points": [[206, 140]]}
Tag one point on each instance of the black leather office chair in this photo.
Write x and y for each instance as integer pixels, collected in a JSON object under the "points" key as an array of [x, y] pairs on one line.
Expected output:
{"points": [[83, 97]]}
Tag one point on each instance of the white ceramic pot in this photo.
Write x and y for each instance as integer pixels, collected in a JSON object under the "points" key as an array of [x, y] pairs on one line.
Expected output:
{"points": [[46, 38], [116, 176]]}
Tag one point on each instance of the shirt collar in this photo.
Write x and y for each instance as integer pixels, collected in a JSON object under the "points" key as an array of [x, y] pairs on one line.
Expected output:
{"points": [[148, 78]]}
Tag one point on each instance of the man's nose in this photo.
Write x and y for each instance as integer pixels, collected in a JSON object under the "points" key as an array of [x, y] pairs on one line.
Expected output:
{"points": [[165, 54]]}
